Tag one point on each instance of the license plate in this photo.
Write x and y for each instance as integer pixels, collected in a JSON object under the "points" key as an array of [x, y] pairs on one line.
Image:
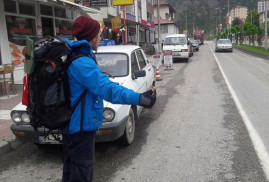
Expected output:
{"points": [[51, 139], [176, 54]]}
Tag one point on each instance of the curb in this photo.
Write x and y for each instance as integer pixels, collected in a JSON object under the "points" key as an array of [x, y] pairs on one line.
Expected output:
{"points": [[253, 53], [8, 146]]}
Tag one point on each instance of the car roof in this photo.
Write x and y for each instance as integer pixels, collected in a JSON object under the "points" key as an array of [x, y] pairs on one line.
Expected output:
{"points": [[224, 39], [117, 48], [176, 35]]}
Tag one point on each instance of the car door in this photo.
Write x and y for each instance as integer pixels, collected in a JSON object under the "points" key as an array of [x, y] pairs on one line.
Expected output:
{"points": [[139, 83], [144, 65]]}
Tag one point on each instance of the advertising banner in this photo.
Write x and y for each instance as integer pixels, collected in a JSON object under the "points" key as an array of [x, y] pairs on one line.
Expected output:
{"points": [[116, 22], [98, 3], [168, 59]]}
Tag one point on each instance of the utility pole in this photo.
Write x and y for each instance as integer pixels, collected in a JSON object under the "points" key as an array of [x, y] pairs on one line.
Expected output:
{"points": [[265, 33], [159, 28], [186, 21]]}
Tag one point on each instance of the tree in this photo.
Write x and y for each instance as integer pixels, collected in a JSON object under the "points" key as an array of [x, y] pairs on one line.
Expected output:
{"points": [[253, 17], [236, 21]]}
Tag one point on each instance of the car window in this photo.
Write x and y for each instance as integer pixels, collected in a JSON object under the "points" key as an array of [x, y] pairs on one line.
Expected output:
{"points": [[113, 64], [175, 41], [134, 64], [141, 59], [224, 42]]}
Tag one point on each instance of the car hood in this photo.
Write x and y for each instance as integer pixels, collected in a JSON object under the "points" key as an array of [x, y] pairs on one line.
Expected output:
{"points": [[226, 45], [174, 47]]}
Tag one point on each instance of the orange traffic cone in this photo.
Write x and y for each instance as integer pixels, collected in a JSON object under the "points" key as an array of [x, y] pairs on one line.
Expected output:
{"points": [[158, 75]]}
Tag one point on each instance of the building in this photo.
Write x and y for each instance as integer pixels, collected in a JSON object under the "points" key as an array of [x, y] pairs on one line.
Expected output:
{"points": [[261, 10], [167, 23], [240, 12]]}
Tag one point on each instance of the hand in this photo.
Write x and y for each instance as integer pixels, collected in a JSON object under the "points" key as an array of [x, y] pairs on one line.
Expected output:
{"points": [[148, 98]]}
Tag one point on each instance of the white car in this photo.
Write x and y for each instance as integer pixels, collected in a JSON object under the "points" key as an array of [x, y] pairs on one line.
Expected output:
{"points": [[179, 45], [224, 45], [126, 65]]}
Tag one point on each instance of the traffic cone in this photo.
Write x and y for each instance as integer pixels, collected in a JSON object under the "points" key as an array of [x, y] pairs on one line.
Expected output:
{"points": [[158, 75]]}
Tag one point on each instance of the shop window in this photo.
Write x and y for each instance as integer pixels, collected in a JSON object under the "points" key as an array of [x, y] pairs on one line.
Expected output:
{"points": [[47, 26], [64, 28], [46, 10], [27, 9], [164, 28], [59, 12], [19, 28], [10, 6], [69, 14]]}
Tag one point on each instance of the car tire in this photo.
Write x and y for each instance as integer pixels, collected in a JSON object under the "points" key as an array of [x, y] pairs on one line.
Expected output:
{"points": [[128, 136], [187, 60]]}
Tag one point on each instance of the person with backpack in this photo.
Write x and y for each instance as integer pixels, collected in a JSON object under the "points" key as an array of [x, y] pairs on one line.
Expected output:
{"points": [[89, 86]]}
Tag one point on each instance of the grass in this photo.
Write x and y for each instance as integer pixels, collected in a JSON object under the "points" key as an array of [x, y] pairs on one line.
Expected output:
{"points": [[252, 48]]}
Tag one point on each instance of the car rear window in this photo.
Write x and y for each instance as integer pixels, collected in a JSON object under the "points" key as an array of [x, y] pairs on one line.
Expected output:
{"points": [[113, 64]]}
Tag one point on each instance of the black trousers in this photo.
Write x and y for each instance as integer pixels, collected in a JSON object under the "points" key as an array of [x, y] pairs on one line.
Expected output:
{"points": [[78, 157]]}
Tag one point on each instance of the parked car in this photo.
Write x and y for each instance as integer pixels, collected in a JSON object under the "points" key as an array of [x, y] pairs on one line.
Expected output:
{"points": [[195, 45], [191, 48], [179, 45], [224, 45], [128, 66]]}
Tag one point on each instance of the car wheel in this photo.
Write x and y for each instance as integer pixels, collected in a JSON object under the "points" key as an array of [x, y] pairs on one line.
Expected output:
{"points": [[187, 59], [128, 136]]}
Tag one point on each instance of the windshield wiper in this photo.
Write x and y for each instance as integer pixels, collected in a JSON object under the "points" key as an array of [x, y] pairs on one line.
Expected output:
{"points": [[108, 74]]}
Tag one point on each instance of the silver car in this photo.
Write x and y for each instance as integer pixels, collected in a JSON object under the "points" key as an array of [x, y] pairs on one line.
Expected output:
{"points": [[224, 45]]}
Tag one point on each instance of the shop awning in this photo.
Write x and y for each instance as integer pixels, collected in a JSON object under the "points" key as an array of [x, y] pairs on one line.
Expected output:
{"points": [[84, 8]]}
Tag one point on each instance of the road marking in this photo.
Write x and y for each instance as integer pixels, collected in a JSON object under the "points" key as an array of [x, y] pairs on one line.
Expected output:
{"points": [[5, 114], [255, 137]]}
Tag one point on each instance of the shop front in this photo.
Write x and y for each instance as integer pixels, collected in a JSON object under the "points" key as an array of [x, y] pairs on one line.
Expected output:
{"points": [[22, 18]]}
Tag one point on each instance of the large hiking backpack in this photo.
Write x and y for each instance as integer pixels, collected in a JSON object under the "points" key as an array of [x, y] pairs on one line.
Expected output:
{"points": [[48, 104]]}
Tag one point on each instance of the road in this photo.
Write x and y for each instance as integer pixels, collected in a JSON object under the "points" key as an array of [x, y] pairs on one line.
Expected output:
{"points": [[195, 132]]}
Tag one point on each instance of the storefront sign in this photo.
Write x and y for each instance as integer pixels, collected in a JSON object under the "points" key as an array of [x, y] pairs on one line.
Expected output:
{"points": [[168, 59], [122, 2], [148, 23], [107, 42], [98, 3], [157, 60], [116, 22]]}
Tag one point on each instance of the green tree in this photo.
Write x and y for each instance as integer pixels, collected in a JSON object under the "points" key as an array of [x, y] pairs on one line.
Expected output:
{"points": [[253, 17], [236, 21]]}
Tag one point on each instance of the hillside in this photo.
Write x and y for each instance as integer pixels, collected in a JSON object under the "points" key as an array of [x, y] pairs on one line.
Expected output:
{"points": [[202, 14]]}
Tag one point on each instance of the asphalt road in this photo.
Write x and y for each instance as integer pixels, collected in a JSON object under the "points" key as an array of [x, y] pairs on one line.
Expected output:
{"points": [[195, 132]]}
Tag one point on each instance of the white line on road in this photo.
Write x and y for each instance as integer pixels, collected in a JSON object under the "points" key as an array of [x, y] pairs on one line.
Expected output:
{"points": [[255, 137]]}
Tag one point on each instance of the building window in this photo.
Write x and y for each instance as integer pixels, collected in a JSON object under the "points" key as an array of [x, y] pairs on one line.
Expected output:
{"points": [[149, 16], [64, 28], [46, 10], [27, 9], [19, 28], [164, 28], [59, 12], [10, 6]]}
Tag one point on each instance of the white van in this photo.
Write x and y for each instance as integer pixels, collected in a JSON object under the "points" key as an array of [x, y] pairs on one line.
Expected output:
{"points": [[178, 44]]}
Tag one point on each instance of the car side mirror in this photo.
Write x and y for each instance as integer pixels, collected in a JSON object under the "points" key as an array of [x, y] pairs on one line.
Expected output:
{"points": [[139, 73]]}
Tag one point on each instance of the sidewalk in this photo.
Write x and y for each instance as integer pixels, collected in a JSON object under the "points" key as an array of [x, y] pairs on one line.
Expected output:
{"points": [[7, 139]]}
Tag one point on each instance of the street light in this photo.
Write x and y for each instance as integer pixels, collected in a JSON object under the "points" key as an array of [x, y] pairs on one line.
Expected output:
{"points": [[220, 13]]}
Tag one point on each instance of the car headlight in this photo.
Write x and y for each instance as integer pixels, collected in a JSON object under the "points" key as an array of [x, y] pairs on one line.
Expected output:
{"points": [[108, 115], [184, 50], [20, 117], [25, 117], [16, 117]]}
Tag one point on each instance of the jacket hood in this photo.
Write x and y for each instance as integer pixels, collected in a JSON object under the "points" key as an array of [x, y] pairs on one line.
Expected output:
{"points": [[82, 46]]}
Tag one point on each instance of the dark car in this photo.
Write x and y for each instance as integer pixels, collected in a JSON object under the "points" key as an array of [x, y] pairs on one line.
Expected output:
{"points": [[195, 45]]}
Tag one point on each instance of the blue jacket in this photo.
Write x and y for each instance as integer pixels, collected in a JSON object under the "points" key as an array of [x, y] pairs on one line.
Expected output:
{"points": [[84, 74]]}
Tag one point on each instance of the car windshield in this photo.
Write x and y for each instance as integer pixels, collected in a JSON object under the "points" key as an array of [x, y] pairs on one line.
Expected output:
{"points": [[224, 42], [175, 41], [113, 64]]}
